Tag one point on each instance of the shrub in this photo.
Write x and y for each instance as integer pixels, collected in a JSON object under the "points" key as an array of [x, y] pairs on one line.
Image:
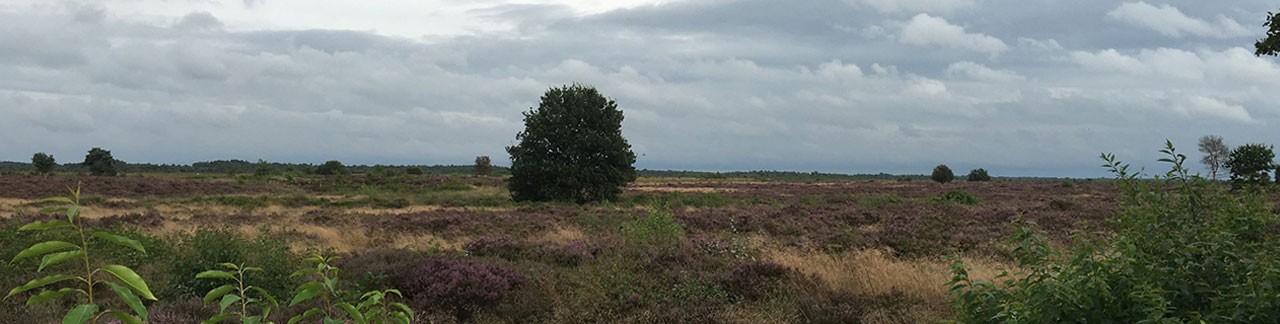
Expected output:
{"points": [[332, 167], [208, 249], [1179, 251], [483, 166], [100, 162], [461, 286], [1250, 165], [979, 174], [658, 229], [571, 149], [753, 280], [942, 174], [43, 162], [413, 170], [263, 169], [957, 197]]}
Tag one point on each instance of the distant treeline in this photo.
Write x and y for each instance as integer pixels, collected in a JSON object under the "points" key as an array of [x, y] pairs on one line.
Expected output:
{"points": [[774, 175], [241, 167]]}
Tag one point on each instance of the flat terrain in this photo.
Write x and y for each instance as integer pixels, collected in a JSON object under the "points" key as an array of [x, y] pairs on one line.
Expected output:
{"points": [[670, 250]]}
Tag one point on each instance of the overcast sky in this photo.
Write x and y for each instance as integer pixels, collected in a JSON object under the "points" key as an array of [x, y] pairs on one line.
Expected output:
{"points": [[1019, 87]]}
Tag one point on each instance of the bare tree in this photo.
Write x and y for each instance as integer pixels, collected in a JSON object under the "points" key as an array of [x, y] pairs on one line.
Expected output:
{"points": [[1215, 154]]}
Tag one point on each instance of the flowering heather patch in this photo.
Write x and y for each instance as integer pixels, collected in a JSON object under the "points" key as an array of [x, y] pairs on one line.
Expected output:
{"points": [[460, 286]]}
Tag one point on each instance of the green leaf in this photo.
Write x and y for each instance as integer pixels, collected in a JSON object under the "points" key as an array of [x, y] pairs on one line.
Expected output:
{"points": [[37, 283], [54, 209], [298, 318], [125, 318], [227, 301], [43, 248], [73, 212], [121, 240], [251, 320], [41, 226], [60, 257], [48, 295], [218, 318], [405, 308], [351, 310], [215, 274], [306, 295], [330, 320], [80, 314], [217, 293], [229, 265], [265, 295], [131, 279], [129, 299]]}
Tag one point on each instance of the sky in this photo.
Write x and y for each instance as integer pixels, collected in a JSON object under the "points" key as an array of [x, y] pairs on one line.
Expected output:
{"points": [[1018, 87]]}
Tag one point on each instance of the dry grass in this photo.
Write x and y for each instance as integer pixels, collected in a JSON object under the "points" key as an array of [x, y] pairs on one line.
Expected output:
{"points": [[875, 272], [561, 235]]}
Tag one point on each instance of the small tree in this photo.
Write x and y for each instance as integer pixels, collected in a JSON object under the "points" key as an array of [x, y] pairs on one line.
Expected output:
{"points": [[1215, 154], [263, 169], [1251, 164], [414, 170], [100, 162], [43, 162], [942, 174], [979, 174], [332, 167], [483, 166], [571, 149]]}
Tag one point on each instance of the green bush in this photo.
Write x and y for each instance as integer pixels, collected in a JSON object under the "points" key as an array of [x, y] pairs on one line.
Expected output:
{"points": [[957, 197], [942, 174], [1180, 251], [659, 229], [208, 249], [979, 174], [100, 162], [332, 167], [43, 163]]}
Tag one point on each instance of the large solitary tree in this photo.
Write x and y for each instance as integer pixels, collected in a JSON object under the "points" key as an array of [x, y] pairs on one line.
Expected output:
{"points": [[43, 162], [571, 149], [1215, 152], [100, 162]]}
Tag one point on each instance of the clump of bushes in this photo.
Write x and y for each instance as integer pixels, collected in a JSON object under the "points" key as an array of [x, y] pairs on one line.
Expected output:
{"points": [[957, 197], [1181, 250], [979, 174]]}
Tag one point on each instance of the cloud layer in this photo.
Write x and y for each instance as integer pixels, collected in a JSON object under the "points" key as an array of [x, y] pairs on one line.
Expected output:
{"points": [[865, 86]]}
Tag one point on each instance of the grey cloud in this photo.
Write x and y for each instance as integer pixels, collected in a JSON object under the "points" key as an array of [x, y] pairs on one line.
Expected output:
{"points": [[747, 84]]}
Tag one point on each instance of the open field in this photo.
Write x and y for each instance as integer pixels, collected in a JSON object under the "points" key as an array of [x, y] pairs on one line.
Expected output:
{"points": [[670, 250]]}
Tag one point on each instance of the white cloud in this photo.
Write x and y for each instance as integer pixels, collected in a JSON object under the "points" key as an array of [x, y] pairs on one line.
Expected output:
{"points": [[979, 72], [1169, 21], [926, 30], [916, 6], [1201, 106]]}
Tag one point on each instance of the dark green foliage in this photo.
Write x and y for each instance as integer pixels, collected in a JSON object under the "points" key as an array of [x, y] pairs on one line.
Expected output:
{"points": [[263, 169], [413, 170], [1251, 165], [572, 149], [43, 162], [332, 167], [753, 280], [100, 162], [942, 174], [979, 174], [206, 249], [957, 197], [484, 167], [1180, 251], [1271, 44]]}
